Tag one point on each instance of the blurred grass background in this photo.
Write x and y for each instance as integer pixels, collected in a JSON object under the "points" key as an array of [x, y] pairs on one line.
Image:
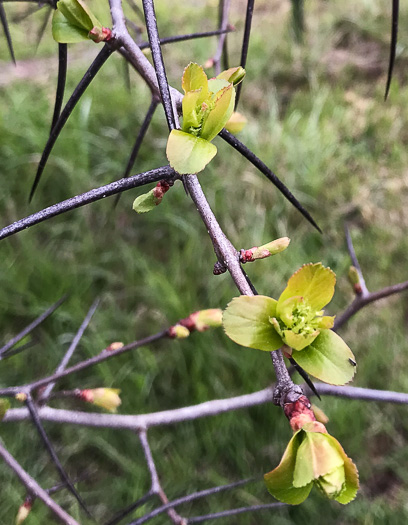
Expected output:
{"points": [[317, 117]]}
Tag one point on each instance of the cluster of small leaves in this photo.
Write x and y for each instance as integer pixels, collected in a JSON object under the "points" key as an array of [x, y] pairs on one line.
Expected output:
{"points": [[296, 320], [207, 107], [313, 457]]}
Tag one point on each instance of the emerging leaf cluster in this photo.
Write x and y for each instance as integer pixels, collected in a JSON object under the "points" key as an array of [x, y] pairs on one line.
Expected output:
{"points": [[313, 457], [207, 107], [296, 319]]}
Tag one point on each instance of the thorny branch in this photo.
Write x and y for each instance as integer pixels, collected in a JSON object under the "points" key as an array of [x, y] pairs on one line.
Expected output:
{"points": [[94, 195], [227, 255]]}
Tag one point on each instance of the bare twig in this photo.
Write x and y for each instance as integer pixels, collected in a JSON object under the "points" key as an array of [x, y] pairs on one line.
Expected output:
{"points": [[131, 50], [53, 455], [189, 36], [189, 498], [190, 413], [363, 394], [224, 7], [154, 40], [360, 301], [234, 512], [245, 44], [35, 489], [156, 488], [145, 421], [92, 361], [30, 327], [155, 483], [94, 195], [71, 349]]}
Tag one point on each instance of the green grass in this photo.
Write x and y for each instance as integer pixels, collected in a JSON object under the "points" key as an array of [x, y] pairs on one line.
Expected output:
{"points": [[341, 150]]}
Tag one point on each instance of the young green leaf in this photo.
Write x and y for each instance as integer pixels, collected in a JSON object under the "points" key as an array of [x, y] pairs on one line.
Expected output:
{"points": [[351, 483], [187, 153], [279, 481], [78, 14], [66, 33], [73, 21], [246, 321], [316, 457], [314, 283], [327, 358], [194, 78], [146, 202], [216, 119], [191, 107], [234, 75], [215, 85]]}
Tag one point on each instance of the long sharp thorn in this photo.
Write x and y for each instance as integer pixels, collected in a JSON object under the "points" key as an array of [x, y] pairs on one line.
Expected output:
{"points": [[31, 326], [123, 513], [189, 36], [64, 476], [305, 376], [245, 44], [393, 46], [19, 349], [263, 168], [22, 16], [43, 26], [96, 65], [62, 76], [4, 23]]}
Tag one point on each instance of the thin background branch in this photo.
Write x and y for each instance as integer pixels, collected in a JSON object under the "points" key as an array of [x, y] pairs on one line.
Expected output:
{"points": [[34, 488], [28, 329]]}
